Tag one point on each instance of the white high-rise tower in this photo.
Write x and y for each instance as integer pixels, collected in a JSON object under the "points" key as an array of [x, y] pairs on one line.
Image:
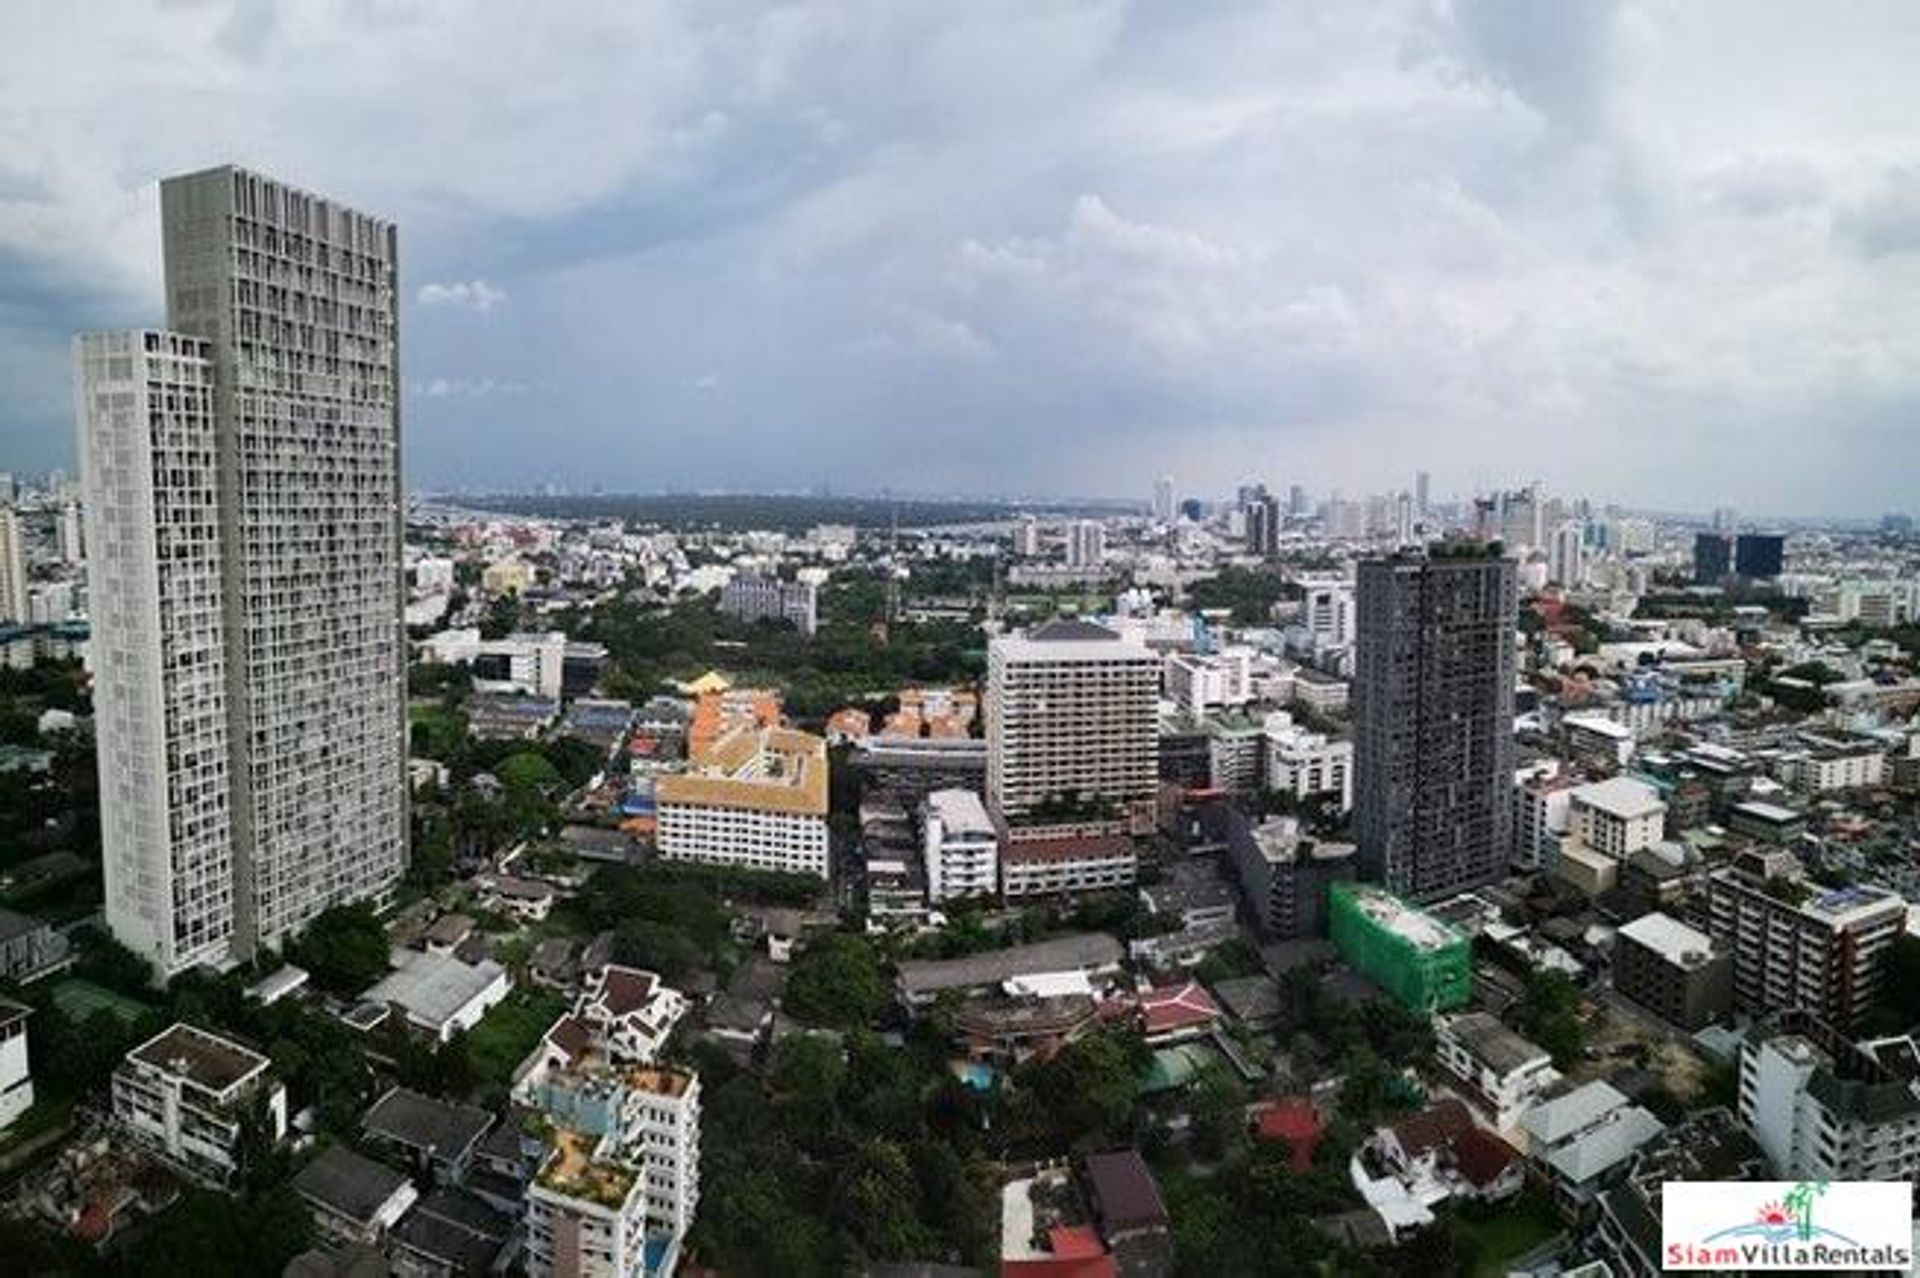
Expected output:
{"points": [[247, 600], [13, 567], [1163, 500]]}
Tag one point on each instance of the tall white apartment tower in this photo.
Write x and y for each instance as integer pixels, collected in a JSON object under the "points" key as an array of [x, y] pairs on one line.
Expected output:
{"points": [[288, 302], [150, 461], [67, 534], [1163, 500], [1566, 555], [1086, 544], [13, 567]]}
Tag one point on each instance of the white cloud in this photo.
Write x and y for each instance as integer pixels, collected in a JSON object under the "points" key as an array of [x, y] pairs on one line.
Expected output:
{"points": [[466, 388], [467, 295]]}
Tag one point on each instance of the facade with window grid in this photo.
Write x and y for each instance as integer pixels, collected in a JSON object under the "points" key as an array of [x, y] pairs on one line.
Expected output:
{"points": [[291, 301]]}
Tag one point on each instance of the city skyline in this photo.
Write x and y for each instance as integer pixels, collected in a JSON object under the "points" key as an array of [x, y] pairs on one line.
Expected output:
{"points": [[1230, 638], [1580, 239]]}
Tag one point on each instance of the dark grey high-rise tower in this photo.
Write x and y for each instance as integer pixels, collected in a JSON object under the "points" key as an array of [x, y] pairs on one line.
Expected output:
{"points": [[1433, 719]]}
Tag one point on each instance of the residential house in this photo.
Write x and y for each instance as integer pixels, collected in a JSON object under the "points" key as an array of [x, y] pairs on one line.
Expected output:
{"points": [[1582, 1140], [352, 1198], [1502, 1072]]}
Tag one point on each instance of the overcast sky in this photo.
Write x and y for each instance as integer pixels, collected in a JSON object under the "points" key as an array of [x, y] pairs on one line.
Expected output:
{"points": [[1662, 253]]}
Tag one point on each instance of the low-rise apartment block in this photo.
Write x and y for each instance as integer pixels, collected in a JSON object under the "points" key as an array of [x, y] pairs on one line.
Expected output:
{"points": [[1283, 875], [756, 800], [1304, 763], [1504, 1072], [1059, 866], [1199, 682], [617, 1195], [1673, 971], [184, 1093], [1617, 817]]}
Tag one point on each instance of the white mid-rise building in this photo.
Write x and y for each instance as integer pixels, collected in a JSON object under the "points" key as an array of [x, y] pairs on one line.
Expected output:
{"points": [[1824, 1108], [1199, 682], [617, 1195], [961, 846], [1302, 763], [532, 663], [1505, 1072], [433, 575], [1071, 728], [278, 528], [754, 598], [184, 1095], [1617, 817], [1542, 813], [756, 800], [1835, 761], [16, 1075], [1327, 612], [1236, 752]]}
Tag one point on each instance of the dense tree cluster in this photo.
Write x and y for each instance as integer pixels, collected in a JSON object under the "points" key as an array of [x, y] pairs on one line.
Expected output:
{"points": [[850, 1151], [673, 919], [845, 661], [1549, 1014], [345, 949], [1249, 592], [837, 982]]}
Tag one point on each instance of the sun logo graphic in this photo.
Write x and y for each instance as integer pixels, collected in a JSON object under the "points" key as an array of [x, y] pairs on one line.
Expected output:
{"points": [[1860, 1224]]}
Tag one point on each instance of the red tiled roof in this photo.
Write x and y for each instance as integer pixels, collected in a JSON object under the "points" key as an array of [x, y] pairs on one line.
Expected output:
{"points": [[1440, 1124], [95, 1222], [1292, 1119], [1481, 1156], [1060, 1267], [1088, 848], [1172, 1007], [626, 989], [570, 1036], [1075, 1240]]}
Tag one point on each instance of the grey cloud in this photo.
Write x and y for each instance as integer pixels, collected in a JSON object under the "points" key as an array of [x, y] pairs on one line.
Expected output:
{"points": [[1762, 186], [1887, 221], [1043, 247]]}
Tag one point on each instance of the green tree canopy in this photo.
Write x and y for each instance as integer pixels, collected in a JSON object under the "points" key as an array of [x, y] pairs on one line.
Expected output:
{"points": [[837, 982], [345, 949]]}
